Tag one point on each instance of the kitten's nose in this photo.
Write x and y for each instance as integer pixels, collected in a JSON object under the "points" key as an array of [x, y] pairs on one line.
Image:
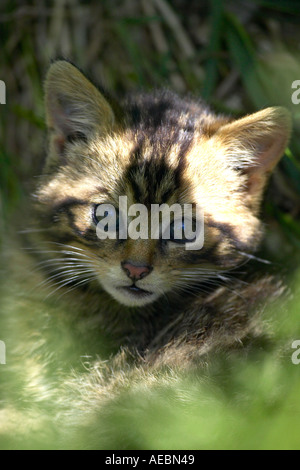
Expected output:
{"points": [[135, 271]]}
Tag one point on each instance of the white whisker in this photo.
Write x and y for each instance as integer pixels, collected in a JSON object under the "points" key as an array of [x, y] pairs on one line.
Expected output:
{"points": [[50, 279], [63, 283], [80, 283], [33, 230]]}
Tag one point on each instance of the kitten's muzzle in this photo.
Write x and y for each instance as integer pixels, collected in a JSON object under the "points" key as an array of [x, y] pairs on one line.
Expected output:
{"points": [[136, 291]]}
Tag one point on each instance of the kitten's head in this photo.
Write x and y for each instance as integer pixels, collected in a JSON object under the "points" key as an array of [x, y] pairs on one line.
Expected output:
{"points": [[153, 149]]}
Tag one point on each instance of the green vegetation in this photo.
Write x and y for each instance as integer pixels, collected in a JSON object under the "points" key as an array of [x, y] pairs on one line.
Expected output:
{"points": [[240, 56]]}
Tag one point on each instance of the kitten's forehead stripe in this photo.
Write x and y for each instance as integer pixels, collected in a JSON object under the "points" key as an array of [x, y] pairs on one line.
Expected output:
{"points": [[164, 133], [147, 179]]}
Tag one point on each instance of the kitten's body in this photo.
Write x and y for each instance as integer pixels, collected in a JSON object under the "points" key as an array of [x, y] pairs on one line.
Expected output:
{"points": [[69, 358], [154, 149]]}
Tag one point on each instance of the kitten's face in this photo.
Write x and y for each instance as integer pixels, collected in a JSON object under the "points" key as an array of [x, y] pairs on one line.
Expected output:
{"points": [[162, 150]]}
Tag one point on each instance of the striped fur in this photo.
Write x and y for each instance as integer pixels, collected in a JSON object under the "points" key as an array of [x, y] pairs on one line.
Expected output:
{"points": [[153, 148], [158, 149]]}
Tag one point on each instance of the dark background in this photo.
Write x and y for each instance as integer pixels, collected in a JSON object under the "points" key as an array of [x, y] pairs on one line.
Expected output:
{"points": [[240, 56]]}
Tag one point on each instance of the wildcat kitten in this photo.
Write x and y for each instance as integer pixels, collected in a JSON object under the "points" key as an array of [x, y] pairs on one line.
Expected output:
{"points": [[158, 302]]}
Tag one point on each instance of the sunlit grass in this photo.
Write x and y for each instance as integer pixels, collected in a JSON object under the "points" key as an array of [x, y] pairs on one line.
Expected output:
{"points": [[239, 66]]}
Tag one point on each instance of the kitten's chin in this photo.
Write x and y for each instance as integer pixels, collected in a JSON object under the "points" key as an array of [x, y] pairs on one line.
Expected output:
{"points": [[131, 296]]}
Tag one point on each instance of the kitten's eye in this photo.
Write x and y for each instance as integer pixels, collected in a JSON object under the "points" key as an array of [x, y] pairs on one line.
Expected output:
{"points": [[76, 136], [110, 216], [177, 232]]}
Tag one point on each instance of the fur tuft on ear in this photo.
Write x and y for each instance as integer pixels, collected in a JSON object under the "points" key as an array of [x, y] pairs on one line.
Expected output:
{"points": [[75, 108], [254, 145]]}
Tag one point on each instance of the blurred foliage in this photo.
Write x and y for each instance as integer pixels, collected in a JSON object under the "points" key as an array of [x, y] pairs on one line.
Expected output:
{"points": [[240, 55]]}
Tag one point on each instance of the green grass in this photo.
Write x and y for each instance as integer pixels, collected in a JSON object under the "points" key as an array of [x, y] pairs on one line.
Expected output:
{"points": [[239, 64], [238, 402]]}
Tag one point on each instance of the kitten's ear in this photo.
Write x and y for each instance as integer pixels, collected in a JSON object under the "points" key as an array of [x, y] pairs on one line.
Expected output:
{"points": [[254, 145], [75, 109]]}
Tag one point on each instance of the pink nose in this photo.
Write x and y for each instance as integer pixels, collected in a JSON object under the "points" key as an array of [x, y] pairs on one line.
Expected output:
{"points": [[134, 271]]}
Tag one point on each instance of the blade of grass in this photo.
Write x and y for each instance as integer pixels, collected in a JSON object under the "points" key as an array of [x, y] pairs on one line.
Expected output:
{"points": [[211, 67], [29, 116], [291, 169], [287, 6], [123, 31], [243, 55]]}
